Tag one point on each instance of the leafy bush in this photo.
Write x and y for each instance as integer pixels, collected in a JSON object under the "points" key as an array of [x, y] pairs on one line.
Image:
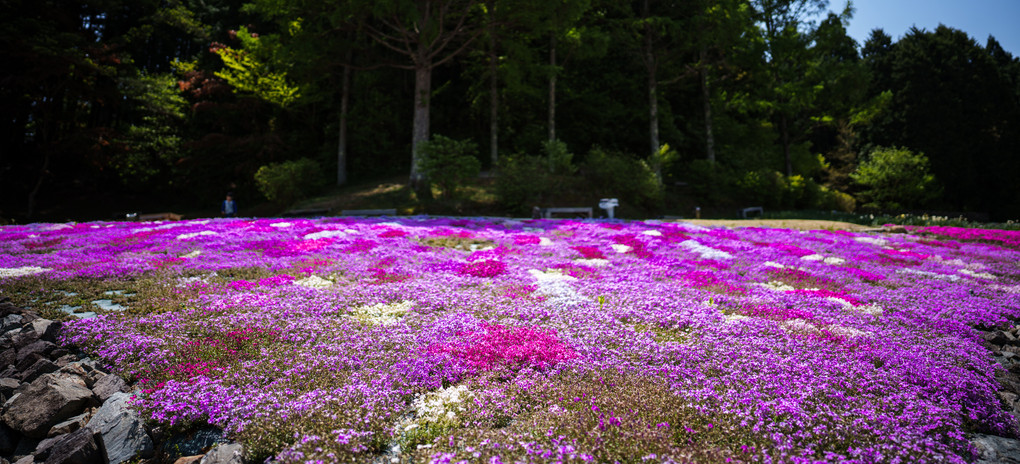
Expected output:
{"points": [[522, 183], [448, 162], [286, 182], [613, 174], [560, 160], [894, 178]]}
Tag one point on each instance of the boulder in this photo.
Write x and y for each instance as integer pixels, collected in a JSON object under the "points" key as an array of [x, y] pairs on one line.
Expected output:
{"points": [[8, 385], [37, 369], [42, 347], [189, 459], [47, 329], [122, 429], [79, 447], [70, 425], [194, 443], [8, 440], [8, 357], [24, 338], [107, 385], [224, 454], [993, 449], [47, 401], [11, 321]]}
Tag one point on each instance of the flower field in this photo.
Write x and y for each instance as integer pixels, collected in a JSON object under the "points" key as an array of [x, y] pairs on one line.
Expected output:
{"points": [[491, 340]]}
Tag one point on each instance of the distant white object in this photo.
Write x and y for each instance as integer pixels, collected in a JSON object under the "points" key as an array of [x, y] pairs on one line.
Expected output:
{"points": [[609, 204]]}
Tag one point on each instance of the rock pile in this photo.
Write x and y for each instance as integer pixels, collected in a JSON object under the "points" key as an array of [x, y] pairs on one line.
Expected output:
{"points": [[62, 408], [1005, 347]]}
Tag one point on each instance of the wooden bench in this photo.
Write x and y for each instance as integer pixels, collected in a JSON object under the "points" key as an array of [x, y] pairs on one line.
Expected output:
{"points": [[753, 209], [369, 212], [548, 212]]}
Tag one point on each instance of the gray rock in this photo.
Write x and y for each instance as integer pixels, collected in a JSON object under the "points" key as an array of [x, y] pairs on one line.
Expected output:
{"points": [[79, 447], [8, 385], [25, 448], [47, 401], [8, 357], [193, 444], [23, 364], [42, 347], [224, 454], [37, 369], [11, 321], [122, 429], [24, 338], [47, 329], [70, 425], [992, 449], [107, 385], [42, 451], [26, 460]]}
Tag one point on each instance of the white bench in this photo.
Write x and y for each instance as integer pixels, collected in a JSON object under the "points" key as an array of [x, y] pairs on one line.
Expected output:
{"points": [[753, 209], [548, 212]]}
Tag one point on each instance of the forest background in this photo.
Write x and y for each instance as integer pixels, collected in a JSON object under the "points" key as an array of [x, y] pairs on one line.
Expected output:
{"points": [[664, 104]]}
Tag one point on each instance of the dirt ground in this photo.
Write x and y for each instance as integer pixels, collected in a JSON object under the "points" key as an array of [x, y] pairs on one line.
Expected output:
{"points": [[800, 224]]}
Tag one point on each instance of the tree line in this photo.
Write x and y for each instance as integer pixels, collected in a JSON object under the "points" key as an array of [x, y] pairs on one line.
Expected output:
{"points": [[718, 101]]}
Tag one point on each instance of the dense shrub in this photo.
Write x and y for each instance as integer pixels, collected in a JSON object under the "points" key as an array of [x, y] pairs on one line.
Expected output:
{"points": [[894, 178], [560, 159], [448, 163], [289, 181], [523, 182], [613, 174]]}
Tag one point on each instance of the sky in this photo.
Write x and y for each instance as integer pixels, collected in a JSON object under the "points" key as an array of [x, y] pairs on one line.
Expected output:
{"points": [[978, 18]]}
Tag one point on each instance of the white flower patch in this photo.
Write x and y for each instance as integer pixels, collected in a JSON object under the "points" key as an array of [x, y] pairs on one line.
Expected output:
{"points": [[777, 286], [733, 318], [704, 251], [314, 282], [872, 241], [833, 261], [382, 313], [983, 275], [556, 286], [692, 227], [840, 301], [195, 234], [281, 225], [1007, 288], [814, 257], [442, 404], [951, 278], [544, 241], [184, 281], [773, 264], [620, 248], [799, 325], [848, 332], [53, 227], [326, 234], [21, 271], [192, 254], [594, 262], [474, 247], [653, 233], [873, 309]]}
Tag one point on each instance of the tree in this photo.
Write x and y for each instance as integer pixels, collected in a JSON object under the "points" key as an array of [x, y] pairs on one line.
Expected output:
{"points": [[895, 178], [786, 57], [427, 34]]}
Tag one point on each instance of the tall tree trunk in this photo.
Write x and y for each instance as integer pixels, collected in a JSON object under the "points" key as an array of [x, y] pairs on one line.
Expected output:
{"points": [[785, 134], [706, 103], [552, 87], [38, 184], [345, 97], [653, 101], [493, 97], [420, 128]]}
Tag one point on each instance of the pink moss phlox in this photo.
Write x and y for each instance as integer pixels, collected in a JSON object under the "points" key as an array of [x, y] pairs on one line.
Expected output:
{"points": [[241, 285], [361, 245], [589, 252], [777, 314], [790, 249], [526, 239], [487, 268], [905, 254], [501, 346], [276, 281]]}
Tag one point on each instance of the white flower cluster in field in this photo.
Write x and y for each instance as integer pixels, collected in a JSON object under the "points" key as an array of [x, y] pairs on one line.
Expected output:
{"points": [[983, 275], [21, 271], [620, 248], [328, 234], [951, 278], [544, 241], [382, 313], [832, 260], [773, 264], [193, 254], [704, 251], [195, 234], [280, 225], [872, 241], [437, 406], [556, 286], [777, 286], [593, 262], [653, 233], [314, 282]]}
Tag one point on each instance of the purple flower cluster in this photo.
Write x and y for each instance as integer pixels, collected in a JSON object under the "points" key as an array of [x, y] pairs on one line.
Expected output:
{"points": [[313, 339]]}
